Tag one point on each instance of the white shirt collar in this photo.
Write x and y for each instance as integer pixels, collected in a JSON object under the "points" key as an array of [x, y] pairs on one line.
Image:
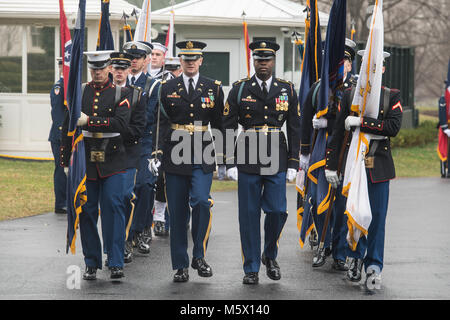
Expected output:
{"points": [[268, 82], [135, 76], [123, 85], [186, 81]]}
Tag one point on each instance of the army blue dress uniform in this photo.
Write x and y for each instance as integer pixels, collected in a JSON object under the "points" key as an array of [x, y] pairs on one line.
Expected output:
{"points": [[108, 111], [132, 142], [380, 170], [58, 114], [186, 112], [145, 180], [262, 115]]}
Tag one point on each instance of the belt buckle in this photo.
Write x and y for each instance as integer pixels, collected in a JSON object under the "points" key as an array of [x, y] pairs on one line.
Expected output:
{"points": [[369, 162], [97, 156], [190, 128], [265, 129]]}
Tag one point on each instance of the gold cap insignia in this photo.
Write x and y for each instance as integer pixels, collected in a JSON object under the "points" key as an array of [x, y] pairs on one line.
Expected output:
{"points": [[121, 55], [133, 47], [189, 45], [263, 44]]}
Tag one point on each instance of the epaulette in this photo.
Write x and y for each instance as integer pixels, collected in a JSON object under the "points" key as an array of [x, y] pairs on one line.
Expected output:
{"points": [[284, 81], [218, 82], [242, 80]]}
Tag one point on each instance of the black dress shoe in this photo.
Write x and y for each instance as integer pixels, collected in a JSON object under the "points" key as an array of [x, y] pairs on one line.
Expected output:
{"points": [[61, 211], [159, 228], [354, 271], [182, 275], [272, 268], [203, 269], [116, 273], [90, 273], [251, 278], [128, 254], [142, 246], [339, 265]]}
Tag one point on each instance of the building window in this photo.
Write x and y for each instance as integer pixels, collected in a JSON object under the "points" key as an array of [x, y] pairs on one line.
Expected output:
{"points": [[41, 59], [216, 65], [11, 58]]}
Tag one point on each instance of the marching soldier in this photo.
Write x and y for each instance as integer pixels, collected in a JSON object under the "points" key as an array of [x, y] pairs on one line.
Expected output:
{"points": [[104, 118], [444, 131], [188, 105], [335, 240], [58, 114], [120, 63], [157, 68], [141, 228], [380, 169], [262, 104]]}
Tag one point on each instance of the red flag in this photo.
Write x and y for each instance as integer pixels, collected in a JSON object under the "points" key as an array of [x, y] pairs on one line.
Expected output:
{"points": [[247, 49], [66, 47]]}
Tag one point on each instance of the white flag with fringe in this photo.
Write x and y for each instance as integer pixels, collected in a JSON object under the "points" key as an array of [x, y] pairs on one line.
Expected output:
{"points": [[143, 30], [365, 103]]}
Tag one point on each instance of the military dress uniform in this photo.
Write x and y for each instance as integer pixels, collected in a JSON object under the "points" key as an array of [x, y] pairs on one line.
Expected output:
{"points": [[380, 170], [108, 111], [261, 185], [335, 237], [144, 190], [186, 112], [58, 113]]}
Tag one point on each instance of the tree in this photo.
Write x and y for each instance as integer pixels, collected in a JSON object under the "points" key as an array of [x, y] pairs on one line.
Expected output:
{"points": [[421, 24]]}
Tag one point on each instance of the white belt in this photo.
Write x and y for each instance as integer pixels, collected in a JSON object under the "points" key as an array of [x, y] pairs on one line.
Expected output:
{"points": [[89, 134]]}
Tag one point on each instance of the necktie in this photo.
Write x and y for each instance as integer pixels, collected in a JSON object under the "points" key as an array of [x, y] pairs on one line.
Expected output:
{"points": [[191, 87], [133, 79], [264, 88]]}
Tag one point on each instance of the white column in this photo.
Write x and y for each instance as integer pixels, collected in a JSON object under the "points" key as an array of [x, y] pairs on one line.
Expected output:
{"points": [[25, 30]]}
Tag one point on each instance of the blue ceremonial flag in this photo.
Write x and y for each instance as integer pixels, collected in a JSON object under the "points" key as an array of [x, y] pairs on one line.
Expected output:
{"points": [[76, 180], [311, 69], [331, 79], [105, 39]]}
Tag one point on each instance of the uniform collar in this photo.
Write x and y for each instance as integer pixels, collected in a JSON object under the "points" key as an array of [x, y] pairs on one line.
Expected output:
{"points": [[268, 82]]}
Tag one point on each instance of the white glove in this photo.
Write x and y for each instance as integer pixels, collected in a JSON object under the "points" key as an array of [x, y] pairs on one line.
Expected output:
{"points": [[352, 121], [153, 165], [332, 178], [319, 123], [447, 132], [66, 171], [304, 162], [221, 172], [232, 173], [291, 174], [82, 120]]}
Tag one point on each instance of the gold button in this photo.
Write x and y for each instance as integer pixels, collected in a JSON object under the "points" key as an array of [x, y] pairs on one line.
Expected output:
{"points": [[95, 114], [385, 148], [192, 105], [97, 94], [105, 121], [365, 122], [95, 100], [265, 107], [379, 126], [372, 124], [60, 128], [135, 142], [114, 147], [265, 117], [191, 115], [95, 107], [381, 111], [98, 121]]}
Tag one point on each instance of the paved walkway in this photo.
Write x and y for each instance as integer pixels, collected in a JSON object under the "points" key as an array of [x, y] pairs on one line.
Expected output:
{"points": [[34, 265]]}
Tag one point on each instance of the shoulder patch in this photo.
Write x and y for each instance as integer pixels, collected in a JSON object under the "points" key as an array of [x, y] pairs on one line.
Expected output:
{"points": [[284, 81], [242, 80]]}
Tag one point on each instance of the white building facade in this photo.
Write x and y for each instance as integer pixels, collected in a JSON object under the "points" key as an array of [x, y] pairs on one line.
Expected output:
{"points": [[30, 43]]}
